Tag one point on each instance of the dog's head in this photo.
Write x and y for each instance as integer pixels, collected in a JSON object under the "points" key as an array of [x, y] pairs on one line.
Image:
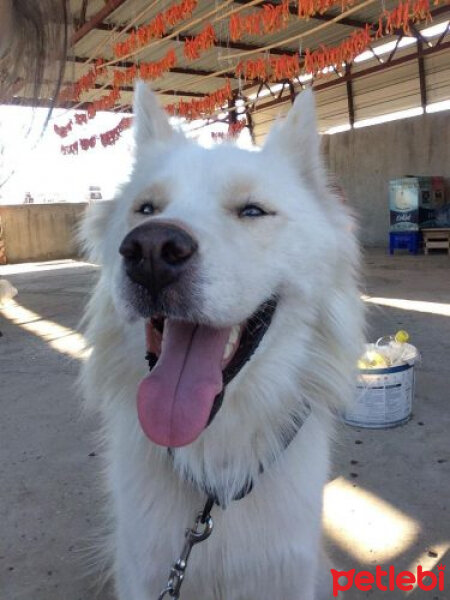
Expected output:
{"points": [[203, 245]]}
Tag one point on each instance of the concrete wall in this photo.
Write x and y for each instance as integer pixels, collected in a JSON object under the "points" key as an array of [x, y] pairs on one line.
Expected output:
{"points": [[365, 159], [40, 231]]}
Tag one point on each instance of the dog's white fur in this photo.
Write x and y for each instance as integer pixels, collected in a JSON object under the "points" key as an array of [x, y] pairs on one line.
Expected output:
{"points": [[266, 546]]}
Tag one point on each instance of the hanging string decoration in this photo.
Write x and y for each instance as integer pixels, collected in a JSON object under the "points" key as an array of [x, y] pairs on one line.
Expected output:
{"points": [[63, 130], [273, 68], [105, 103], [195, 46], [204, 107], [81, 118], [309, 8], [86, 82], [401, 17], [284, 67], [253, 68], [316, 61], [87, 143], [70, 149], [234, 129], [108, 138], [147, 71], [270, 19], [157, 27]]}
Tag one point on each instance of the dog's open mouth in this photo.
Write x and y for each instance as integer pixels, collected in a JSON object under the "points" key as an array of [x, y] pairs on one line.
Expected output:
{"points": [[193, 364]]}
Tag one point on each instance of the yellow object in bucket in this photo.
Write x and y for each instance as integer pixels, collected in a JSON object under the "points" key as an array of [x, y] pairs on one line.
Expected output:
{"points": [[372, 360], [388, 351], [401, 336]]}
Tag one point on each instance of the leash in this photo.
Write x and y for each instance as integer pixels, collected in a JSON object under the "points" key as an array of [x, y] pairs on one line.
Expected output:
{"points": [[204, 524], [200, 532]]}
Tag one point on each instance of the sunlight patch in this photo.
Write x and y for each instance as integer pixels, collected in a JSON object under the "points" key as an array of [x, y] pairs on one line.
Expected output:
{"points": [[365, 526], [51, 265], [60, 338], [433, 308]]}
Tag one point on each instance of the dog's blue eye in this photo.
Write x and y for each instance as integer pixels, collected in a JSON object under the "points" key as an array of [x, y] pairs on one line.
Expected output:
{"points": [[251, 210], [146, 209]]}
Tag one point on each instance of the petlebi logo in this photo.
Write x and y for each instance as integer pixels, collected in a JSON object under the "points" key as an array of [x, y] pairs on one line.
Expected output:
{"points": [[388, 580]]}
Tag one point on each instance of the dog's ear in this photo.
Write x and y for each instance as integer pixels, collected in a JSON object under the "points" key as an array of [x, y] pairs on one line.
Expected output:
{"points": [[297, 138], [91, 231], [150, 121]]}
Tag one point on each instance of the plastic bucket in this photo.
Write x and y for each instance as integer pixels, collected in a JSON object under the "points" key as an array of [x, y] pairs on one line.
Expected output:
{"points": [[384, 397]]}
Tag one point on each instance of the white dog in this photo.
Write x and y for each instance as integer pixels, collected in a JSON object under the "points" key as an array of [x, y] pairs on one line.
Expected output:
{"points": [[238, 268]]}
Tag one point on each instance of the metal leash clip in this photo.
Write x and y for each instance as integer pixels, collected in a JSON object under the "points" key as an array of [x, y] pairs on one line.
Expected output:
{"points": [[199, 533]]}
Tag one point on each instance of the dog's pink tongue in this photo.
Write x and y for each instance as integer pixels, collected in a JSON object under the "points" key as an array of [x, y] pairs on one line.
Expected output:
{"points": [[175, 400]]}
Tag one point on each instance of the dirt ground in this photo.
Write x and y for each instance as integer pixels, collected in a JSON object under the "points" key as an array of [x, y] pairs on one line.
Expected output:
{"points": [[387, 501]]}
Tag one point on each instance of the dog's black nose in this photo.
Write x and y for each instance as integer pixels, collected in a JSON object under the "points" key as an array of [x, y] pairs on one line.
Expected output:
{"points": [[157, 254]]}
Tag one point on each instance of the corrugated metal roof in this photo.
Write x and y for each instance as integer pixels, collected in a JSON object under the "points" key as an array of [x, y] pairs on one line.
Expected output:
{"points": [[376, 87]]}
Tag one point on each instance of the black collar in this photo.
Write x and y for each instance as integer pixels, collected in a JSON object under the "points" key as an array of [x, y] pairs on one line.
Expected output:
{"points": [[213, 495]]}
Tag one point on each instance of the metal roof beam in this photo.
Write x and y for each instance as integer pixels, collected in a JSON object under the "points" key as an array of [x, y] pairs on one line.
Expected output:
{"points": [[177, 70], [130, 88], [101, 15], [421, 65]]}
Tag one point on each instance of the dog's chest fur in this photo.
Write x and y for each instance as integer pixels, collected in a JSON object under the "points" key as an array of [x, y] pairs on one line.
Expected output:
{"points": [[261, 534]]}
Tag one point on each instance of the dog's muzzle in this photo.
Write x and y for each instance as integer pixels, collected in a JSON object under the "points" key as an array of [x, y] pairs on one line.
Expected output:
{"points": [[157, 254]]}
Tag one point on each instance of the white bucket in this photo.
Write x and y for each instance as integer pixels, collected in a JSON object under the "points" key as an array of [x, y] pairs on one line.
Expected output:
{"points": [[384, 397]]}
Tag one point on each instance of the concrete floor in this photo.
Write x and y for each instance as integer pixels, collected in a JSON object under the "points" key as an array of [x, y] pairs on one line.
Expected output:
{"points": [[386, 504]]}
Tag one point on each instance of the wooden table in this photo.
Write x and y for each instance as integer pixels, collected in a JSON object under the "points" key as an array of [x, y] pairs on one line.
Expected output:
{"points": [[436, 239]]}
